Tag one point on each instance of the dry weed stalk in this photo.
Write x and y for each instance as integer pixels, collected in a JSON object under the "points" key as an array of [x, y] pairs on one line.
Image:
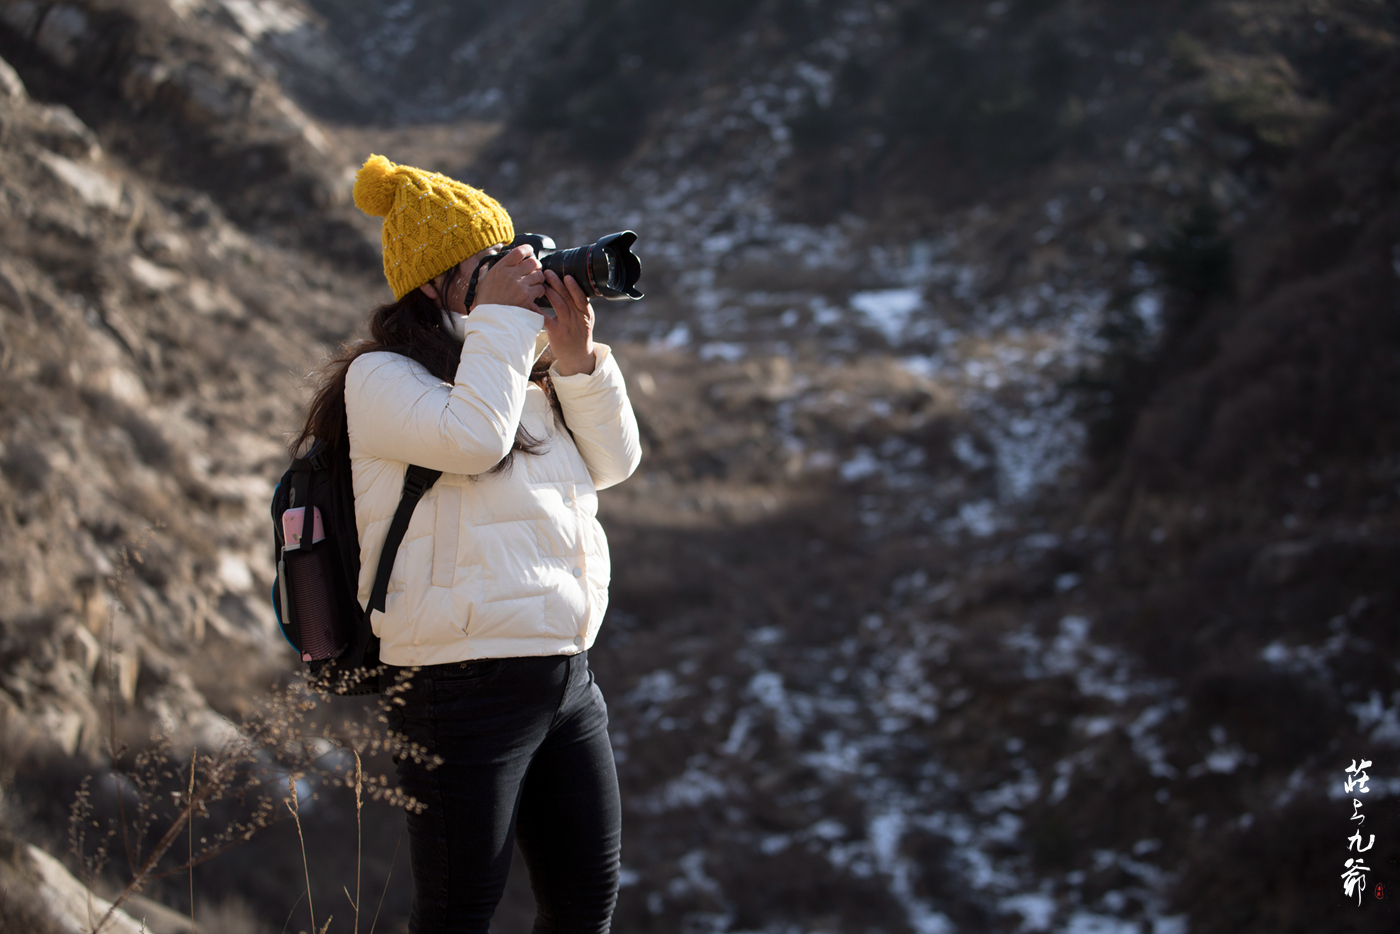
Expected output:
{"points": [[294, 806], [359, 842], [194, 753], [392, 863]]}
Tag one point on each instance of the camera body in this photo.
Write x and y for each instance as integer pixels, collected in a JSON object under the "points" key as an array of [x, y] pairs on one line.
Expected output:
{"points": [[606, 268]]}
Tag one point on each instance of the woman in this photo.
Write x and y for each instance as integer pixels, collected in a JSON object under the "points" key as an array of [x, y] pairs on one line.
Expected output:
{"points": [[500, 584]]}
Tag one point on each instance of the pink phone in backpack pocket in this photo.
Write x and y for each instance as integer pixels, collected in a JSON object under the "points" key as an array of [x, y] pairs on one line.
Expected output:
{"points": [[292, 522]]}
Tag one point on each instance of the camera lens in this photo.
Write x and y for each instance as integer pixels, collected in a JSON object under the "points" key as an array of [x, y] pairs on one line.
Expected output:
{"points": [[573, 262], [605, 269]]}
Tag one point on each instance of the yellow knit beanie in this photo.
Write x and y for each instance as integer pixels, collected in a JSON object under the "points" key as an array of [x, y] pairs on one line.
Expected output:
{"points": [[431, 222]]}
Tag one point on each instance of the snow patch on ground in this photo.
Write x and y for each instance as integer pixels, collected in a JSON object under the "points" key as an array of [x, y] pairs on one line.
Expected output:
{"points": [[888, 310]]}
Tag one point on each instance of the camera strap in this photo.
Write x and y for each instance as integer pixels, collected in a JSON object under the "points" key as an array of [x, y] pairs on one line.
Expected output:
{"points": [[471, 286]]}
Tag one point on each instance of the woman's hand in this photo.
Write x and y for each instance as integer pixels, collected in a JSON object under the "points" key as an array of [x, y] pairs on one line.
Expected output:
{"points": [[517, 280], [571, 333]]}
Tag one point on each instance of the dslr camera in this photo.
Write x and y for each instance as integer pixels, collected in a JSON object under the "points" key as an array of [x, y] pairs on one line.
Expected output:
{"points": [[606, 268]]}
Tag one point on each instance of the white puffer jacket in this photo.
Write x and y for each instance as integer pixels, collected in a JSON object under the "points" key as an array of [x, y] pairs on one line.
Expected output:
{"points": [[493, 565]]}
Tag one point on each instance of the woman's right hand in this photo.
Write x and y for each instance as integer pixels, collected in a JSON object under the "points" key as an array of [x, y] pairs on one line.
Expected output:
{"points": [[518, 279]]}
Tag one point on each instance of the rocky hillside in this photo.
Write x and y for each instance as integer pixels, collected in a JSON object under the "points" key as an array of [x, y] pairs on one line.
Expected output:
{"points": [[1014, 546], [153, 349]]}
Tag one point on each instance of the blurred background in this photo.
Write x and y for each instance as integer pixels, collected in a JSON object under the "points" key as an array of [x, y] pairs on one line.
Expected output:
{"points": [[1017, 542]]}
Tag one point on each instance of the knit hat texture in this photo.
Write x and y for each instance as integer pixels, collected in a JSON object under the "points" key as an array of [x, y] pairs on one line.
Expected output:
{"points": [[431, 222]]}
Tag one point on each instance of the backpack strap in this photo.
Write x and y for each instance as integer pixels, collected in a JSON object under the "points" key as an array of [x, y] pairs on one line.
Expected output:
{"points": [[416, 481]]}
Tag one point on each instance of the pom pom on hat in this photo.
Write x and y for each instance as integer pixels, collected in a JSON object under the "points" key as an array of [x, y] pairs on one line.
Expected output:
{"points": [[375, 186], [431, 222]]}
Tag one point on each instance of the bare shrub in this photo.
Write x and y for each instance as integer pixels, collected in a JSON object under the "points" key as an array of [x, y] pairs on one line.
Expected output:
{"points": [[289, 743]]}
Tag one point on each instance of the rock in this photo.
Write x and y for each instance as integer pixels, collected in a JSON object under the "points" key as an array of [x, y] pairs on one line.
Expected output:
{"points": [[153, 277], [211, 97], [22, 909], [94, 187], [157, 918], [11, 87], [60, 129], [73, 908], [62, 727], [60, 30], [262, 17], [1280, 562], [11, 290], [26, 466], [143, 81], [213, 298], [22, 17], [166, 247]]}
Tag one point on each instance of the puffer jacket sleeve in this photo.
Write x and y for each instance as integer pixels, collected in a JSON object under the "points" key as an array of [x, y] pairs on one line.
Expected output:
{"points": [[600, 416], [396, 410]]}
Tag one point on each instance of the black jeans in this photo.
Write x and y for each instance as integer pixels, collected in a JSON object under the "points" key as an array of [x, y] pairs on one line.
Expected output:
{"points": [[526, 760]]}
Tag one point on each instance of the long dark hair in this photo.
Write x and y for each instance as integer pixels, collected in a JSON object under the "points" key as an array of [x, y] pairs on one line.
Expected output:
{"points": [[411, 326]]}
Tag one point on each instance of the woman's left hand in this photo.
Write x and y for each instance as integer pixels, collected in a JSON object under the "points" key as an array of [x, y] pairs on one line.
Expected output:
{"points": [[571, 332]]}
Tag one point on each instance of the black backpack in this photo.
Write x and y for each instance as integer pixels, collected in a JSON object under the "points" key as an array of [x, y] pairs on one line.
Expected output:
{"points": [[314, 594]]}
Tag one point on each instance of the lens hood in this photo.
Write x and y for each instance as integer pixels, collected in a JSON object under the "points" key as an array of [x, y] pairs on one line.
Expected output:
{"points": [[625, 265]]}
